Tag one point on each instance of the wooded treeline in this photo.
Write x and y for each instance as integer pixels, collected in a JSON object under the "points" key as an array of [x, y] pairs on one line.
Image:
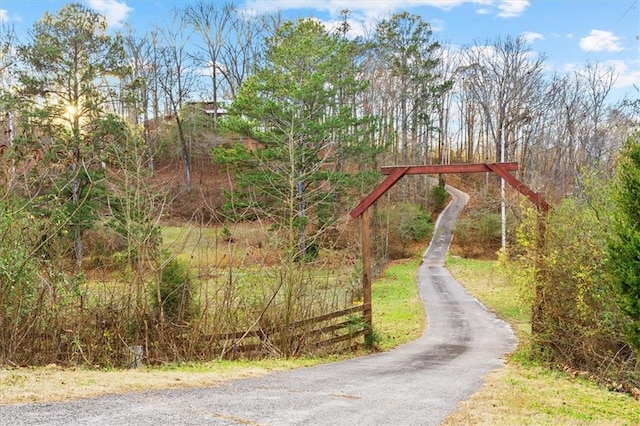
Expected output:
{"points": [[432, 102], [299, 116]]}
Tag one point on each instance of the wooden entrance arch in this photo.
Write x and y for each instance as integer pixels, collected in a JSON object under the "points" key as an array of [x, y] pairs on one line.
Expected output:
{"points": [[394, 174]]}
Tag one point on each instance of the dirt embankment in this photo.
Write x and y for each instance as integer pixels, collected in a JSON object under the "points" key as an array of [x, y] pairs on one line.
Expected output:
{"points": [[208, 184]]}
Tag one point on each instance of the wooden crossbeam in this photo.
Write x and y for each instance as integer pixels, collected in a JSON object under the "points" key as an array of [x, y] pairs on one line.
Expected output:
{"points": [[449, 168], [395, 173], [394, 176], [501, 171]]}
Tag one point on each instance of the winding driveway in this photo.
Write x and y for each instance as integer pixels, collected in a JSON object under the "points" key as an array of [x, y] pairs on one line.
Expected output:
{"points": [[418, 383]]}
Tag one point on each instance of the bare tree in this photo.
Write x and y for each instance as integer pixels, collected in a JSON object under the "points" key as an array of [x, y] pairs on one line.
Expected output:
{"points": [[177, 79], [444, 82], [505, 79], [142, 55], [213, 23], [569, 131], [244, 48], [471, 121], [598, 84], [564, 120]]}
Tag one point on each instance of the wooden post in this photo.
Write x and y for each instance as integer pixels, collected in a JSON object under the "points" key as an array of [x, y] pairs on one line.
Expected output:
{"points": [[538, 308], [365, 223]]}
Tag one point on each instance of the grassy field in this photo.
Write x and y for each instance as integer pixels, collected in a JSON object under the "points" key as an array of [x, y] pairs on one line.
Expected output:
{"points": [[521, 393], [398, 316]]}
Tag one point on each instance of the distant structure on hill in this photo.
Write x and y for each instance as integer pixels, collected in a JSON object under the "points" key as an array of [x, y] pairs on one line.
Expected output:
{"points": [[209, 107]]}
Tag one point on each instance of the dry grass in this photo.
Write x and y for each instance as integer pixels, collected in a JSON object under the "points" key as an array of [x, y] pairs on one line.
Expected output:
{"points": [[53, 383], [398, 318], [398, 315], [206, 246], [247, 244], [518, 395]]}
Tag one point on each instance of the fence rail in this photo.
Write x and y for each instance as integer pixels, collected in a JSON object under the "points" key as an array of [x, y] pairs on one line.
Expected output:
{"points": [[345, 327]]}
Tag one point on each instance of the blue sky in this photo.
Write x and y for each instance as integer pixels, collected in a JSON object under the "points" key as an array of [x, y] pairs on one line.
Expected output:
{"points": [[571, 33]]}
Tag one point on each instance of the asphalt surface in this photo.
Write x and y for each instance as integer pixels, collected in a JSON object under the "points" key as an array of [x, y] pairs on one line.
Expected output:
{"points": [[418, 383]]}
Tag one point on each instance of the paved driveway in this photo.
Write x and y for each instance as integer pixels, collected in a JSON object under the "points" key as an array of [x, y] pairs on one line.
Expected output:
{"points": [[418, 383]]}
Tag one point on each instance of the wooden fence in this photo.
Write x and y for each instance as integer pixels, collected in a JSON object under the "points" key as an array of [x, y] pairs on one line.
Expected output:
{"points": [[345, 327]]}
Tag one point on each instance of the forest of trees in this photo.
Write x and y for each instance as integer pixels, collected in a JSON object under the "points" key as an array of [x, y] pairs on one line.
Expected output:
{"points": [[88, 114]]}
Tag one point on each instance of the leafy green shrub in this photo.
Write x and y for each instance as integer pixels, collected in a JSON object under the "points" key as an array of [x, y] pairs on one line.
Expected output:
{"points": [[488, 227], [18, 268], [576, 319], [311, 252], [414, 223], [438, 197], [225, 234], [408, 223], [37, 297], [479, 231], [236, 208], [173, 295]]}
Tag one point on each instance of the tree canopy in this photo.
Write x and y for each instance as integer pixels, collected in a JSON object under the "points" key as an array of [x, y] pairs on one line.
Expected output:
{"points": [[69, 78], [295, 104]]}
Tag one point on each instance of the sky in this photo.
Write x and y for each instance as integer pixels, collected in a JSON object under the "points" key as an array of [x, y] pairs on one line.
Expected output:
{"points": [[571, 33]]}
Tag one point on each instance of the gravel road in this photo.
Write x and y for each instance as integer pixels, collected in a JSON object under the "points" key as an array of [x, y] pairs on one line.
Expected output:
{"points": [[418, 383]]}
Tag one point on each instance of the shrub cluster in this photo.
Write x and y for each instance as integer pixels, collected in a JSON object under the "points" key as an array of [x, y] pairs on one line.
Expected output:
{"points": [[406, 223], [577, 319]]}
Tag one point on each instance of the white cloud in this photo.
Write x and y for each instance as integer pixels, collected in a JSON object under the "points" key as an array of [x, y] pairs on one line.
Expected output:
{"points": [[115, 11], [598, 41], [4, 15], [627, 76], [360, 26], [512, 8], [531, 37], [356, 27], [437, 25], [364, 14], [381, 8]]}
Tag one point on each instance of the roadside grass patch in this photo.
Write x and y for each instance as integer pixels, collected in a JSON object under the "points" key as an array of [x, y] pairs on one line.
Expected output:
{"points": [[535, 395], [484, 280], [523, 392], [53, 383], [398, 312]]}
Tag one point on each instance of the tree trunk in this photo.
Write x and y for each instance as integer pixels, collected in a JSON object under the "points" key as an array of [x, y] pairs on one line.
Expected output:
{"points": [[302, 238], [75, 191], [11, 132], [147, 130], [184, 149]]}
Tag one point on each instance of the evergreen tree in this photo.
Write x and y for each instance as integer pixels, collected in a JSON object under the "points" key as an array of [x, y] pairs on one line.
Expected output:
{"points": [[624, 245], [295, 106], [71, 70]]}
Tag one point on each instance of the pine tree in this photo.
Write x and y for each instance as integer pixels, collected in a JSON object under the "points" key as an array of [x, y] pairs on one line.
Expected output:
{"points": [[295, 105], [72, 66], [624, 245]]}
